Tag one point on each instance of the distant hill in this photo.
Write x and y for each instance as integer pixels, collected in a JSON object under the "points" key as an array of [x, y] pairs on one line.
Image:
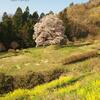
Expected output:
{"points": [[84, 16]]}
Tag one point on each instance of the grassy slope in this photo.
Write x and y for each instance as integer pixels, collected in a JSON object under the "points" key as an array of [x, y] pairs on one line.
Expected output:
{"points": [[39, 59], [35, 59]]}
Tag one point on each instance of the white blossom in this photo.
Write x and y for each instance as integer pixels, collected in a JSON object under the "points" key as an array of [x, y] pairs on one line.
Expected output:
{"points": [[49, 30]]}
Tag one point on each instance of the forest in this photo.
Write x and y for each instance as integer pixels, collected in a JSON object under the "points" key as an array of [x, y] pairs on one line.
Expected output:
{"points": [[80, 21], [16, 30]]}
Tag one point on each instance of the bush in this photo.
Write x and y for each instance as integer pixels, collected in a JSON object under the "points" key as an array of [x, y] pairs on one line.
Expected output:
{"points": [[52, 74], [6, 83], [29, 80]]}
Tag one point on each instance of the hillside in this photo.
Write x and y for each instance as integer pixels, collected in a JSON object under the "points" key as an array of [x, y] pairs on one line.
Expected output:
{"points": [[57, 60], [82, 19], [29, 67]]}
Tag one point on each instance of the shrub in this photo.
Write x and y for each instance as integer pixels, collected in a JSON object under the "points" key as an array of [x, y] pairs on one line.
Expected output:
{"points": [[6, 83], [29, 80], [52, 74]]}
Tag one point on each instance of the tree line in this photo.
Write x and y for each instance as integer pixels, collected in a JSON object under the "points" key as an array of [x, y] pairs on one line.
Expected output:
{"points": [[18, 28], [80, 21]]}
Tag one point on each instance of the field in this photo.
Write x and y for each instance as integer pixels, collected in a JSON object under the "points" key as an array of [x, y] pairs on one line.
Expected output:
{"points": [[53, 79]]}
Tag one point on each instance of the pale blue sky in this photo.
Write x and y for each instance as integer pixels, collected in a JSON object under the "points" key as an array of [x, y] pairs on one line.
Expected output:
{"points": [[45, 6]]}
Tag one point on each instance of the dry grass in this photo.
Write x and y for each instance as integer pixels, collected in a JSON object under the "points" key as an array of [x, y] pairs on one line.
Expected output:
{"points": [[43, 63], [79, 57], [41, 59]]}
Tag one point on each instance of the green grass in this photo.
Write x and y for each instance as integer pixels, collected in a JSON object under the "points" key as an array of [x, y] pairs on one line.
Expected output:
{"points": [[80, 80], [37, 59]]}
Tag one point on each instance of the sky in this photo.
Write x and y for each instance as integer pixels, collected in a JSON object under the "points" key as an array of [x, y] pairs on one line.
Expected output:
{"points": [[40, 6]]}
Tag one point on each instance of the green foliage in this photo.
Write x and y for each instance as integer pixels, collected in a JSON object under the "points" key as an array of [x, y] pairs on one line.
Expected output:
{"points": [[35, 17], [7, 32], [5, 16], [19, 28], [26, 15], [42, 15], [17, 18]]}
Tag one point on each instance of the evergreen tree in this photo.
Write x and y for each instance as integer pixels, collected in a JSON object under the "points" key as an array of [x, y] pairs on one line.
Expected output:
{"points": [[8, 34], [18, 28], [26, 15], [5, 16], [35, 17], [50, 12], [42, 15], [17, 19]]}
